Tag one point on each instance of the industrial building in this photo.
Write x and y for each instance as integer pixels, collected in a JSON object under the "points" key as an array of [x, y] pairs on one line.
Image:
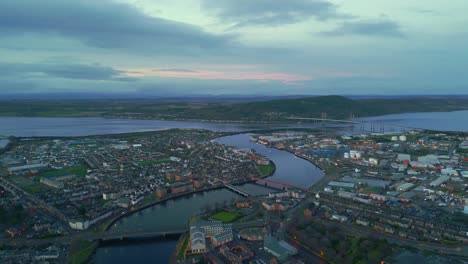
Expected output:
{"points": [[38, 166], [280, 249], [51, 183]]}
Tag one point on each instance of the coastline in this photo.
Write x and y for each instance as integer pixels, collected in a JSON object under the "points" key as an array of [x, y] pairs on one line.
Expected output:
{"points": [[175, 119]]}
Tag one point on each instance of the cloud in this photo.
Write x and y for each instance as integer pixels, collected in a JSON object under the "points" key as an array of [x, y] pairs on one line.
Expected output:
{"points": [[226, 74], [173, 70], [62, 70], [270, 13], [377, 27], [106, 24]]}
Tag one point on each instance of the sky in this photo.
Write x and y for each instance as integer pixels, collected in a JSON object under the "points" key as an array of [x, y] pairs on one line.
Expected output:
{"points": [[234, 47]]}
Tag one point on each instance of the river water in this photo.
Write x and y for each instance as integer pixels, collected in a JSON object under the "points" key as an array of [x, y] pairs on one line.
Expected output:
{"points": [[289, 168], [176, 213], [57, 126], [442, 121]]}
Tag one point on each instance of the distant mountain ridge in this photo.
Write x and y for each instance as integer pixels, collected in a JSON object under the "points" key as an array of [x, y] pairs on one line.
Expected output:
{"points": [[336, 107]]}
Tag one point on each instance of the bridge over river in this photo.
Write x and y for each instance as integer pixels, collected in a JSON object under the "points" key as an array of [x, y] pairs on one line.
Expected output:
{"points": [[116, 234], [373, 126]]}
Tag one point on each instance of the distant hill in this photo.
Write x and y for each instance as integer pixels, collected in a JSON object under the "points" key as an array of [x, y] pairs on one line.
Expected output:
{"points": [[336, 107]]}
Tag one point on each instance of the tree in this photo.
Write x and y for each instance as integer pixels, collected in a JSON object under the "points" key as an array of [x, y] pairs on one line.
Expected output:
{"points": [[82, 210]]}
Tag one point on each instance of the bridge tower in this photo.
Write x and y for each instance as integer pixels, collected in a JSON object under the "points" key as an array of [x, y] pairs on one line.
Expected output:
{"points": [[323, 118], [324, 115], [351, 118]]}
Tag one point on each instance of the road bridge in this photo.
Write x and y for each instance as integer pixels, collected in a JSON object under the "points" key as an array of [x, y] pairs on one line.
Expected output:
{"points": [[279, 184], [139, 233], [237, 190], [373, 125], [90, 235]]}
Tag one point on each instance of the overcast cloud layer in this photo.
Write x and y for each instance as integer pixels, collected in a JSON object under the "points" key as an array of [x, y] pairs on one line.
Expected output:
{"points": [[215, 47]]}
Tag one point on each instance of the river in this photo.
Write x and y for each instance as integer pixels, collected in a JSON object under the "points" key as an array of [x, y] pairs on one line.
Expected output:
{"points": [[58, 126]]}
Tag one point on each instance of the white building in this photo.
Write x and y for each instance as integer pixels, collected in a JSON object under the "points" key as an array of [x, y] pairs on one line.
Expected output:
{"points": [[197, 239], [218, 232]]}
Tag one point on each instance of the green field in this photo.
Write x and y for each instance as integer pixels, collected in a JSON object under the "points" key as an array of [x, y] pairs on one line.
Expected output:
{"points": [[226, 216], [30, 185], [267, 170], [183, 249], [74, 170], [460, 150]]}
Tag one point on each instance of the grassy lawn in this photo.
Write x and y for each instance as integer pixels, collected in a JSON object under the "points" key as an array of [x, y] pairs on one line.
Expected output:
{"points": [[34, 188], [225, 216], [150, 198], [183, 249], [460, 150], [267, 170], [150, 162], [74, 170], [30, 185]]}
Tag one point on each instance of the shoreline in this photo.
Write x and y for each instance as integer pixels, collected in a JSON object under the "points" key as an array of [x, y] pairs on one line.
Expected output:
{"points": [[214, 120]]}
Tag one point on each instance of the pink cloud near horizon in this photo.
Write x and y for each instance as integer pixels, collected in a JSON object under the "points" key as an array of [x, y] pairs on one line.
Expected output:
{"points": [[247, 73], [216, 75]]}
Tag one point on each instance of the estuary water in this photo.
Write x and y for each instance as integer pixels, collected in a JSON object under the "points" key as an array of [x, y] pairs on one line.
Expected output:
{"points": [[442, 121], [73, 126], [86, 126]]}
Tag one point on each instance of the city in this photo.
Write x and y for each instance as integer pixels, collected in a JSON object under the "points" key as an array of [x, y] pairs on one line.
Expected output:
{"points": [[233, 131], [403, 186]]}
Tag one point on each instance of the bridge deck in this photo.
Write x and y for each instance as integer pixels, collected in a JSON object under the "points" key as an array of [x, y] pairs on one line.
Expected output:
{"points": [[353, 122], [237, 190]]}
